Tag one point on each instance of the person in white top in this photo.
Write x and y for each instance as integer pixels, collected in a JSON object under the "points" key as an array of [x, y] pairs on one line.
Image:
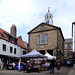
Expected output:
{"points": [[1, 65], [13, 65]]}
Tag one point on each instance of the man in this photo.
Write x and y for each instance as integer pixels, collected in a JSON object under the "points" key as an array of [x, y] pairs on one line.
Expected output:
{"points": [[52, 66]]}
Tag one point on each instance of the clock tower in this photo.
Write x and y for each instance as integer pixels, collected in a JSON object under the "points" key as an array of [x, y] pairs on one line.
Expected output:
{"points": [[49, 17]]}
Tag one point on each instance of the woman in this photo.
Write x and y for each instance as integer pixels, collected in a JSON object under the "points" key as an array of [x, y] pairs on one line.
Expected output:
{"points": [[1, 64], [58, 64]]}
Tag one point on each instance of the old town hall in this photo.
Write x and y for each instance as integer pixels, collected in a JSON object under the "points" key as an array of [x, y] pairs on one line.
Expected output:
{"points": [[46, 37]]}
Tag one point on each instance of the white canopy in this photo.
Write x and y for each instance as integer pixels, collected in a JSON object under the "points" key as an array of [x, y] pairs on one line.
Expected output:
{"points": [[34, 54], [49, 56]]}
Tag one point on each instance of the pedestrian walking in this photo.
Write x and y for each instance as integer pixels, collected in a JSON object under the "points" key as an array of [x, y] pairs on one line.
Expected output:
{"points": [[68, 63], [58, 64], [1, 64], [13, 65], [52, 66]]}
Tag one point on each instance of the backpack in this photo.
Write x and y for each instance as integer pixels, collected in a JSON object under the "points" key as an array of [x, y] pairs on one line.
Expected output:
{"points": [[58, 63]]}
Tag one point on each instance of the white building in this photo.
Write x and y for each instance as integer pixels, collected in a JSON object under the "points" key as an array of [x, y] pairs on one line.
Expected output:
{"points": [[11, 47], [73, 35]]}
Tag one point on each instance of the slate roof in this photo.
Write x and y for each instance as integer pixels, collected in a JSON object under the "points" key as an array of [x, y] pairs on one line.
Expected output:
{"points": [[48, 25], [68, 40]]}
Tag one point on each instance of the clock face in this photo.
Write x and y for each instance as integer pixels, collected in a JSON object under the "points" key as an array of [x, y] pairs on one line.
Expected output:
{"points": [[48, 22]]}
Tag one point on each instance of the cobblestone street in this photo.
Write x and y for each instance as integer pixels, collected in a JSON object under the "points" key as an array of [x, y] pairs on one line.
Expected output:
{"points": [[63, 71]]}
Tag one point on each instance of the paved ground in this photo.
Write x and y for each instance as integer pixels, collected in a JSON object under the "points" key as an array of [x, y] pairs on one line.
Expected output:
{"points": [[72, 72], [63, 71]]}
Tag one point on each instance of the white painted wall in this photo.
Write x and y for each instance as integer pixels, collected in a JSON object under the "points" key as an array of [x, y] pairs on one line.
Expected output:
{"points": [[19, 50], [74, 37]]}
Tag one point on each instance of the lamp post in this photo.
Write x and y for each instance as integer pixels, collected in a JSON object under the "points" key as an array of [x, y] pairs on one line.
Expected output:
{"points": [[57, 54]]}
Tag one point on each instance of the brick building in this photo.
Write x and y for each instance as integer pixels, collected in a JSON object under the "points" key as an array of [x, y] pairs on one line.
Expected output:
{"points": [[68, 48]]}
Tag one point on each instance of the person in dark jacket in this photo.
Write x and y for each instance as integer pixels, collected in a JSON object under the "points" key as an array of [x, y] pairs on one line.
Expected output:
{"points": [[52, 66]]}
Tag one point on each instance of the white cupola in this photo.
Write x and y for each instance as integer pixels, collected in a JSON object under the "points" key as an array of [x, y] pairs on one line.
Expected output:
{"points": [[49, 17]]}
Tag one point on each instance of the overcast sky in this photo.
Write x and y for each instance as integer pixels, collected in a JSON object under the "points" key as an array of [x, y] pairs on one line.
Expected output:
{"points": [[27, 14]]}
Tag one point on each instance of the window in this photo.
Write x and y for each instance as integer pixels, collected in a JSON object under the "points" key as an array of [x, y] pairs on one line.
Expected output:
{"points": [[65, 53], [15, 40], [46, 38], [65, 47], [14, 50], [25, 44], [4, 47], [10, 38], [20, 43], [7, 36], [71, 52], [42, 39], [24, 52], [71, 46], [42, 27], [2, 35], [11, 49], [38, 39]]}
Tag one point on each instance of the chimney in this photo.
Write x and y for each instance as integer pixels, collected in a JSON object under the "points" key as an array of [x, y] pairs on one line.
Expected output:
{"points": [[13, 30]]}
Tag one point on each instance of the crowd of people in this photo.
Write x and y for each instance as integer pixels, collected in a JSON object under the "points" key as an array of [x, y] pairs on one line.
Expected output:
{"points": [[54, 63], [3, 65], [49, 65]]}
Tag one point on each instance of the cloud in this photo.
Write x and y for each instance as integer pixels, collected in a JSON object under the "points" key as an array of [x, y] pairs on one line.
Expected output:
{"points": [[27, 14]]}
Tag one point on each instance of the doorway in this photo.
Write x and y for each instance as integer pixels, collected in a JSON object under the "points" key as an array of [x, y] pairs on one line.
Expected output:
{"points": [[50, 52], [42, 52]]}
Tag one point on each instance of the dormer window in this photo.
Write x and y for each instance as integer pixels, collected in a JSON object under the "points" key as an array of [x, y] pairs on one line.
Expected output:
{"points": [[25, 44], [42, 27], [2, 35], [21, 44]]}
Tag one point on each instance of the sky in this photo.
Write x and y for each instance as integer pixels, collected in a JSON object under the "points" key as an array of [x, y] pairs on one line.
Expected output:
{"points": [[27, 14]]}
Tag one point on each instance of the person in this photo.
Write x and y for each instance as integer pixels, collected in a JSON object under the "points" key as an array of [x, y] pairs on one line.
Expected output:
{"points": [[8, 62], [52, 66], [58, 64], [24, 67], [1, 64], [13, 65], [48, 65], [68, 63]]}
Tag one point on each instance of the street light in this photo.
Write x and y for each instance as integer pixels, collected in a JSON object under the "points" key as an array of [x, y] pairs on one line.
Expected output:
{"points": [[57, 54]]}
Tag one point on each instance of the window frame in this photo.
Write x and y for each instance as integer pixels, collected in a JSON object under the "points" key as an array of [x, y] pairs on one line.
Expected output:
{"points": [[4, 47], [42, 39], [11, 49], [66, 46], [15, 51]]}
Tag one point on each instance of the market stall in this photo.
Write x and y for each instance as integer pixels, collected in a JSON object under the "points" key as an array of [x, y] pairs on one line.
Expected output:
{"points": [[33, 54], [50, 56]]}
